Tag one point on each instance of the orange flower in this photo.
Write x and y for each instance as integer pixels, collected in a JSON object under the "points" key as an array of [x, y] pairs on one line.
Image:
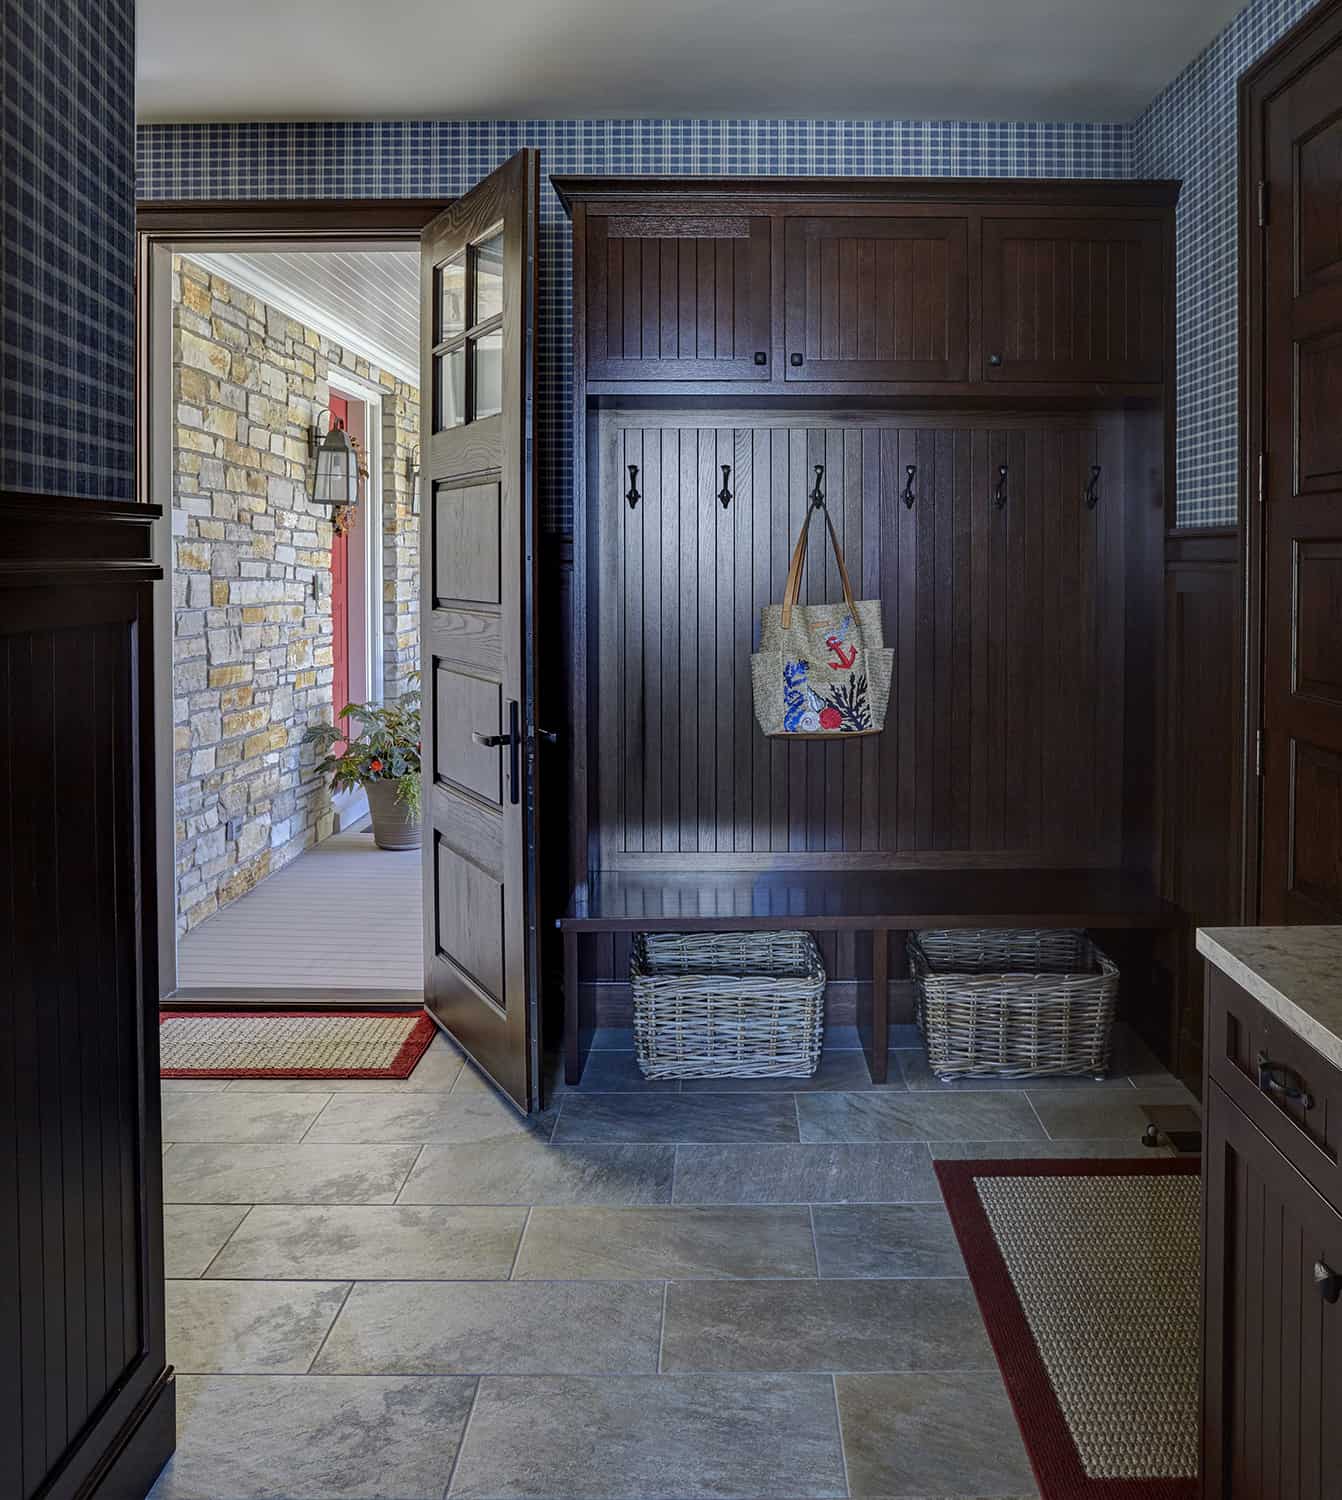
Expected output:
{"points": [[374, 765]]}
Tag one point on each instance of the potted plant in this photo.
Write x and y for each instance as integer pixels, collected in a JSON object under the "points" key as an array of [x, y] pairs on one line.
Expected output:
{"points": [[382, 756]]}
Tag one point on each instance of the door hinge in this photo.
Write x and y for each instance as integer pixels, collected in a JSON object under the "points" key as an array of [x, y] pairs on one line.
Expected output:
{"points": [[1258, 753], [1262, 204], [1262, 477]]}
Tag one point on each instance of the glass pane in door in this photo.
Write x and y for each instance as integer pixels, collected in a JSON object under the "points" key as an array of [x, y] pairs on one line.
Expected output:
{"points": [[488, 279], [488, 377]]}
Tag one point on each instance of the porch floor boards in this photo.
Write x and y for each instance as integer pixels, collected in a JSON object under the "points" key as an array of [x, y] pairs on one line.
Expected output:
{"points": [[344, 915]]}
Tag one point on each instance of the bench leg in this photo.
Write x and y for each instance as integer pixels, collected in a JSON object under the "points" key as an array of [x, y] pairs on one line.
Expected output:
{"points": [[578, 1020], [873, 1011]]}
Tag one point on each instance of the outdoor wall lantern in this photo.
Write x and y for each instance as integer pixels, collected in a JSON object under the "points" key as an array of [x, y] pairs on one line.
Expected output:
{"points": [[335, 479]]}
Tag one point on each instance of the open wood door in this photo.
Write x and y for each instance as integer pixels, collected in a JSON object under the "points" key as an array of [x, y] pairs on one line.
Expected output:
{"points": [[478, 600]]}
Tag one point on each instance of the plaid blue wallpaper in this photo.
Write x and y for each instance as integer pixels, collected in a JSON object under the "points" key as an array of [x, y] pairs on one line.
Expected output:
{"points": [[67, 361], [443, 158], [1190, 132]]}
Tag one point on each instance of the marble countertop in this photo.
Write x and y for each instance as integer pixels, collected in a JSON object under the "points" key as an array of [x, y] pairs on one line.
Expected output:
{"points": [[1295, 972]]}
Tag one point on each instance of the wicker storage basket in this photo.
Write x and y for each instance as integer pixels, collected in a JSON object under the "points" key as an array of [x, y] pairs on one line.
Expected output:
{"points": [[1013, 1004], [727, 1004]]}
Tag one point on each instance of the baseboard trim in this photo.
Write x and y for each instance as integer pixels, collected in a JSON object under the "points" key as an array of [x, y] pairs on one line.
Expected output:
{"points": [[143, 1446]]}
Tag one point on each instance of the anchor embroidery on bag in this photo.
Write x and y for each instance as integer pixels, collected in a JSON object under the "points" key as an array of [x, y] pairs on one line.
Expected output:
{"points": [[835, 641]]}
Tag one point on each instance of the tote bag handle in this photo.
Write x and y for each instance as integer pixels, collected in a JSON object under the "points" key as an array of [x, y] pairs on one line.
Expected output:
{"points": [[792, 589]]}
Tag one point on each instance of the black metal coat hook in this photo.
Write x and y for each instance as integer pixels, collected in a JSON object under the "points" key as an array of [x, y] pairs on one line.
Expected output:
{"points": [[907, 497], [725, 493], [818, 493], [1000, 493], [633, 496], [1093, 487]]}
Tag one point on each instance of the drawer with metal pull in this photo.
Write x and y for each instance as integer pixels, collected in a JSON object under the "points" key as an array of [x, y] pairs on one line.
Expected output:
{"points": [[1291, 1092]]}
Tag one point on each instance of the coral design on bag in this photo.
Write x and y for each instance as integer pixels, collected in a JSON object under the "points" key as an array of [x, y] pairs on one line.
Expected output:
{"points": [[843, 710]]}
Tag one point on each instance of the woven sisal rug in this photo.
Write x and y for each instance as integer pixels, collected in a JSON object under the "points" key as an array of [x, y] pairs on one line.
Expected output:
{"points": [[1087, 1276], [292, 1044]]}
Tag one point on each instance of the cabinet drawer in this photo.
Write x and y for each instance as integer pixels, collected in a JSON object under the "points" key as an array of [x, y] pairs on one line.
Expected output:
{"points": [[1291, 1093], [678, 295], [1272, 1367]]}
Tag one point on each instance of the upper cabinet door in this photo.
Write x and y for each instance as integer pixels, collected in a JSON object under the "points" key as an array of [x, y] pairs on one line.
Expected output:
{"points": [[1073, 300], [677, 296], [876, 299]]}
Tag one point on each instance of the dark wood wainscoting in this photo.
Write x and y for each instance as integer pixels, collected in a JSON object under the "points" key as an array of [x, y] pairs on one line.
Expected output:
{"points": [[86, 1398], [1203, 666]]}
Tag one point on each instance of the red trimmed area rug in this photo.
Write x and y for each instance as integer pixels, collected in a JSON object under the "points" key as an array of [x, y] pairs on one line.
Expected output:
{"points": [[292, 1043], [1087, 1276]]}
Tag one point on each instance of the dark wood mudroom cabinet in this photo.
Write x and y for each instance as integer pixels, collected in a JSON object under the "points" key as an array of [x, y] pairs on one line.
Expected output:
{"points": [[976, 374], [86, 1396], [1272, 1409]]}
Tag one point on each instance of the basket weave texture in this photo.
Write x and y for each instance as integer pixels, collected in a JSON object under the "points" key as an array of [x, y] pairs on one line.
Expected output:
{"points": [[727, 1004], [1013, 1004]]}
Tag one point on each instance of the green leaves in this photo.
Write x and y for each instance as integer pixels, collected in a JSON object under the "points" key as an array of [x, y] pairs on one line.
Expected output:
{"points": [[383, 744]]}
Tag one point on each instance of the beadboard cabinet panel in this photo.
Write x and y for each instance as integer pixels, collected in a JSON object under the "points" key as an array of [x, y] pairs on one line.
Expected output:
{"points": [[1004, 735]]}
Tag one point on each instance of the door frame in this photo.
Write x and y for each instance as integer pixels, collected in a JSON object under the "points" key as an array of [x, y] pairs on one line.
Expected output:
{"points": [[1314, 33], [161, 229]]}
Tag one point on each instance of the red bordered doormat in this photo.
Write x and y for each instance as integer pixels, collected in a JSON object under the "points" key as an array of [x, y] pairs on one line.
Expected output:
{"points": [[292, 1043], [1086, 1273]]}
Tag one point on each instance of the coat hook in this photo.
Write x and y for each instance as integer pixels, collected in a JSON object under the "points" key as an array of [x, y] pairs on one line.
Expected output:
{"points": [[633, 496], [1000, 493], [818, 493], [725, 493], [907, 497], [1093, 487]]}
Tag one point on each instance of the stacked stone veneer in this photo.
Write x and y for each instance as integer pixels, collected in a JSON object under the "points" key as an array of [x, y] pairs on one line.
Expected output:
{"points": [[252, 654]]}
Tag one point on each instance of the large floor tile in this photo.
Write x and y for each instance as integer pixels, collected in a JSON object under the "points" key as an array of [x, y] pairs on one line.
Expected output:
{"points": [[509, 1328], [286, 1174], [455, 1118], [249, 1327], [525, 1170], [867, 1172], [671, 1118], [1115, 1146], [838, 1069], [917, 1074], [194, 1233], [435, 1073], [888, 1239], [932, 1434], [1105, 1113], [224, 1118], [912, 1116], [284, 1437], [715, 1437], [609, 1073], [824, 1325], [659, 1243], [397, 1243]]}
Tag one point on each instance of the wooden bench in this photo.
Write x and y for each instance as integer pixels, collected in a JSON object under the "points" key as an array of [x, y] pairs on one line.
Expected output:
{"points": [[874, 901]]}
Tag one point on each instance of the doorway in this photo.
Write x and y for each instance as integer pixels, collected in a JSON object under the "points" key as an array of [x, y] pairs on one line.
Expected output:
{"points": [[279, 612]]}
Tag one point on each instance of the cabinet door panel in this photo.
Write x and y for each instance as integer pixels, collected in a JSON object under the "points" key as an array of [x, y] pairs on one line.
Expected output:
{"points": [[678, 296], [1273, 1352], [873, 299], [1073, 299]]}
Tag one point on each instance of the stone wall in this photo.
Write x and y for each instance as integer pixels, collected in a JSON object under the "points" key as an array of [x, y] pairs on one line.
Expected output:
{"points": [[252, 655]]}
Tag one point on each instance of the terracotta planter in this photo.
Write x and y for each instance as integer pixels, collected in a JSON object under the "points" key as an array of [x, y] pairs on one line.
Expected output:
{"points": [[394, 825]]}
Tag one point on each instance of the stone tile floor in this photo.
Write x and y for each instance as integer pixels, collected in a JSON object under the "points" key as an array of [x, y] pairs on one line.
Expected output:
{"points": [[405, 1291]]}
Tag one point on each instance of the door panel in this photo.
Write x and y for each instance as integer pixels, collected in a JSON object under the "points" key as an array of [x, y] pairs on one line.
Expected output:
{"points": [[678, 296], [1302, 568], [876, 298], [1273, 1355], [1073, 300], [478, 291]]}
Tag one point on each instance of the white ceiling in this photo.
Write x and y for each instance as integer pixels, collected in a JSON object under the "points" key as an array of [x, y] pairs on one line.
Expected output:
{"points": [[366, 300], [723, 59]]}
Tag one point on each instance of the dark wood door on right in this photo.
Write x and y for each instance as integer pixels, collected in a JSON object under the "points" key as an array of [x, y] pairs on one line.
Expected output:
{"points": [[1073, 300], [1302, 525], [1273, 1341], [876, 298]]}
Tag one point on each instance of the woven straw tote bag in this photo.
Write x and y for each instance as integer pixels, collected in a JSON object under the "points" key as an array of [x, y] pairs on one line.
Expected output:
{"points": [[823, 670]]}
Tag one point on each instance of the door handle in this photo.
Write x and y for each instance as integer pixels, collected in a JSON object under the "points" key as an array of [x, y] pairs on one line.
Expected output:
{"points": [[513, 739], [1274, 1078]]}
